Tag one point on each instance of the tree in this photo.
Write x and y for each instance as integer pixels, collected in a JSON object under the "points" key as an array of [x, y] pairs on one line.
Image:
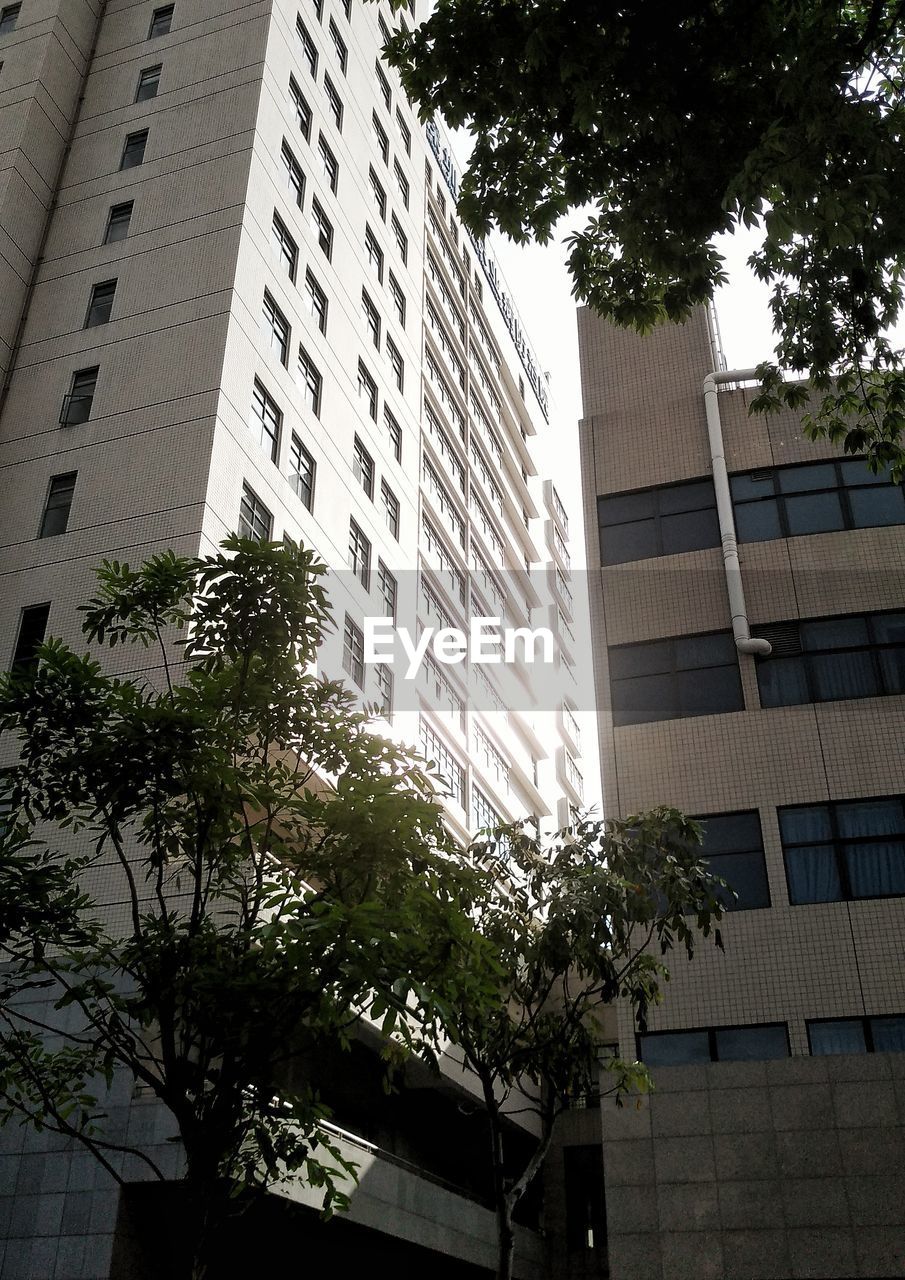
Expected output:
{"points": [[678, 122], [575, 927], [285, 872]]}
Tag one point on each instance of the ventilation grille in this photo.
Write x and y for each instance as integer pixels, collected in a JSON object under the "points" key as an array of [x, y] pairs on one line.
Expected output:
{"points": [[783, 636]]}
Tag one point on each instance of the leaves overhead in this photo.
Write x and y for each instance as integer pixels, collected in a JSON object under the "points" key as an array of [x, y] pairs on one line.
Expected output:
{"points": [[675, 122]]}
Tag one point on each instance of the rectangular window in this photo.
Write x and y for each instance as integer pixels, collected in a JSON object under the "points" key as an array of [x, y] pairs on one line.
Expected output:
{"points": [[398, 299], [302, 110], [77, 404], [844, 851], [397, 363], [383, 142], [30, 637], [134, 149], [266, 419], [402, 182], [118, 222], [484, 817], [657, 522], [148, 83], [255, 521], [302, 471], [329, 162], [760, 1043], [404, 132], [383, 84], [317, 301], [442, 761], [668, 679], [885, 1034], [394, 431], [295, 179], [55, 519], [323, 228], [367, 389], [371, 318], [284, 247], [9, 16], [390, 508], [387, 586], [359, 554], [161, 21], [318, 9], [363, 468], [309, 379], [339, 46], [375, 254], [814, 497], [384, 678], [583, 1184], [275, 328], [399, 235], [733, 848], [832, 659], [377, 191], [309, 48], [334, 101], [100, 304], [354, 652]]}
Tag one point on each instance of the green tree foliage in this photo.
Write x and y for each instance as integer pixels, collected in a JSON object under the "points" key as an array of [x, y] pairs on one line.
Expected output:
{"points": [[676, 122], [285, 871], [577, 926]]}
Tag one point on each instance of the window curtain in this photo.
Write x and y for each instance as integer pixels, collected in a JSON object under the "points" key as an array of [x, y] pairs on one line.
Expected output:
{"points": [[876, 868]]}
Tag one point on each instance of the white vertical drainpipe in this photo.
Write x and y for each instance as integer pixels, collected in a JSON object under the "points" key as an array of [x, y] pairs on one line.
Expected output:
{"points": [[741, 631]]}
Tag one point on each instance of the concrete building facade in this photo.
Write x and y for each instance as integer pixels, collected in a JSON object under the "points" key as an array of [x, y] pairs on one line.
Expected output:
{"points": [[234, 294], [773, 1145]]}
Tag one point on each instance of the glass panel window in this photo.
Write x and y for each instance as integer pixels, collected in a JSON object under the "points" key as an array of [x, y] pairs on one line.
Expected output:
{"points": [[276, 329], [674, 1048], [715, 1044], [383, 84], [751, 1044], [363, 468], [118, 221], [371, 318], [398, 299], [317, 301], [484, 817], [401, 239], [309, 379], [9, 16], [667, 679], [309, 48], [442, 760], [101, 304], [302, 109], [354, 652], [657, 522], [134, 150], [29, 638], [390, 508], [283, 246], [359, 554], [295, 179], [77, 404], [55, 519], [375, 254], [255, 521], [377, 191], [323, 228], [844, 850], [339, 47], [265, 420], [733, 848], [813, 497], [387, 586], [329, 162], [161, 21], [367, 389], [404, 133], [394, 431], [383, 142], [396, 362], [148, 83], [402, 183], [884, 1034], [384, 680], [301, 471], [858, 656]]}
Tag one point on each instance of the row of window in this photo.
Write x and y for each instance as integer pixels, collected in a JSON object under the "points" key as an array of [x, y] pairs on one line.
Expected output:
{"points": [[766, 1041], [846, 850], [817, 660], [778, 502]]}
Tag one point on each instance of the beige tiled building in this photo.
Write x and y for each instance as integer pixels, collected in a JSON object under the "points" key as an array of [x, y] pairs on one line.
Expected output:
{"points": [[773, 1146]]}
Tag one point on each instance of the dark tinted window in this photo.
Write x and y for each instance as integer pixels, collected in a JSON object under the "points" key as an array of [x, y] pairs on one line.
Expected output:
{"points": [[848, 849], [733, 847], [715, 1044], [667, 679], [57, 507], [32, 627], [134, 150], [657, 522], [816, 497], [858, 1035], [828, 660]]}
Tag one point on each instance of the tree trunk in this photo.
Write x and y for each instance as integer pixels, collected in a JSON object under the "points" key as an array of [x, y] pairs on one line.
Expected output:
{"points": [[505, 1239]]}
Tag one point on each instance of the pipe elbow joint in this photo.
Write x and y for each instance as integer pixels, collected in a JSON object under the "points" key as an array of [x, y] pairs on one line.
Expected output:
{"points": [[754, 645]]}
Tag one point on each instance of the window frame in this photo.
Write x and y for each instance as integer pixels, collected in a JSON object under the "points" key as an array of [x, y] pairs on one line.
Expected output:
{"points": [[116, 209], [87, 374], [284, 245], [656, 519], [339, 46], [276, 324], [303, 482], [9, 18], [335, 102], [133, 140], [50, 506], [837, 840], [383, 141], [24, 655], [353, 644], [163, 14], [318, 304], [674, 670], [360, 553], [303, 114], [711, 1033], [329, 162], [295, 176], [266, 419], [363, 467], [374, 254], [149, 77], [866, 1020], [309, 48], [735, 904], [250, 498], [779, 497], [323, 227], [402, 242], [368, 385], [391, 507], [311, 381], [100, 303], [398, 296], [371, 318], [402, 183]]}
